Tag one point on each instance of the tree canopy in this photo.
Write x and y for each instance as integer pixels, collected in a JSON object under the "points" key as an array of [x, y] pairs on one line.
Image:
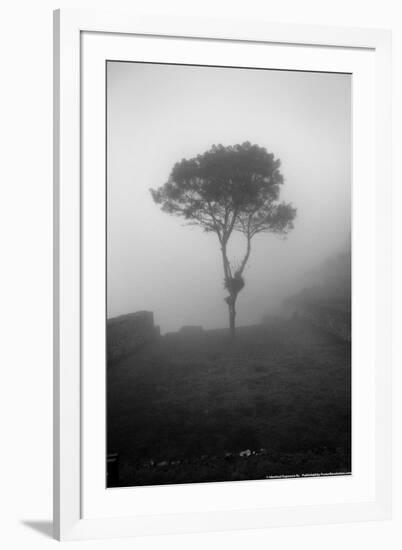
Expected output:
{"points": [[226, 189]]}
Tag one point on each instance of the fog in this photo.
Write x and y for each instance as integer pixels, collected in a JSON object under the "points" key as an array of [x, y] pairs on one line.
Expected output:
{"points": [[159, 114]]}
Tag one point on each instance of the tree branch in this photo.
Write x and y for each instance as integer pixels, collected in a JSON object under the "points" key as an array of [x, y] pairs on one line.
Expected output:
{"points": [[246, 257]]}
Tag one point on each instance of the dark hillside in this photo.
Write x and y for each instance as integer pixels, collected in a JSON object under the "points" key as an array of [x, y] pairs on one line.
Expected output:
{"points": [[186, 406]]}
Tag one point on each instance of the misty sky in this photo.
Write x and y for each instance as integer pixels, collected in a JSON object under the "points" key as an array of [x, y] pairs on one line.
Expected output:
{"points": [[159, 114]]}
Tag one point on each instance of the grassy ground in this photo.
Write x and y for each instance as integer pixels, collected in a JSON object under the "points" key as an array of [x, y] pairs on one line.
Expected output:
{"points": [[182, 409]]}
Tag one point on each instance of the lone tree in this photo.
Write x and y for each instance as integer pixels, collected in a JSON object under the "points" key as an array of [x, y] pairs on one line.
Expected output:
{"points": [[229, 189]]}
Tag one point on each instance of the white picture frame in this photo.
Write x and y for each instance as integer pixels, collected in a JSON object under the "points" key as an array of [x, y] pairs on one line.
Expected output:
{"points": [[83, 508]]}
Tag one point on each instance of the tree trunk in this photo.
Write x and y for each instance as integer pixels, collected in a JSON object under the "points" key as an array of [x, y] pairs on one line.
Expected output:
{"points": [[232, 319]]}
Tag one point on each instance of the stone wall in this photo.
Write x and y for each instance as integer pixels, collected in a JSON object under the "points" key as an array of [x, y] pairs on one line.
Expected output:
{"points": [[128, 333], [331, 318], [326, 300]]}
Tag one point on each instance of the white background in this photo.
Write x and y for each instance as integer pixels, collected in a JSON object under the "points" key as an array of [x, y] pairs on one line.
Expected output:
{"points": [[26, 271]]}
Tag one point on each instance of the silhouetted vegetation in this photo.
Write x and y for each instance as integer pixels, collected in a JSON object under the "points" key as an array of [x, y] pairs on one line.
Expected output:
{"points": [[229, 189]]}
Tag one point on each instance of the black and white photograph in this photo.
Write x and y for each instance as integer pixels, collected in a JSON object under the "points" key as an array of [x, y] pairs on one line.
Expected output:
{"points": [[228, 274], [201, 266]]}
